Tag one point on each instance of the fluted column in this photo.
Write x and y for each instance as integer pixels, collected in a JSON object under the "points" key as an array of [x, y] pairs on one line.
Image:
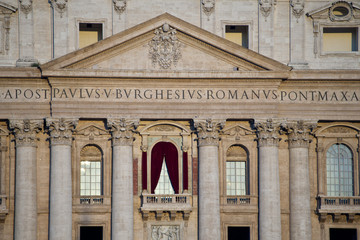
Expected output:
{"points": [[122, 218], [60, 178], [300, 212], [269, 185], [25, 185], [209, 202]]}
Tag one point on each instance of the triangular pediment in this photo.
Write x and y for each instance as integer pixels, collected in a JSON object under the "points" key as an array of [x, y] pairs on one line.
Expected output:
{"points": [[164, 44], [326, 11]]}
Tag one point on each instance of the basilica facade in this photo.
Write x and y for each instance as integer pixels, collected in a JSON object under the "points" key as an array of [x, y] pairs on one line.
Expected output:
{"points": [[188, 119]]}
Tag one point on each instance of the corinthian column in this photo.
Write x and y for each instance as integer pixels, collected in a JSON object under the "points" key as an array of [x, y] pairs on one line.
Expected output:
{"points": [[60, 178], [209, 202], [269, 186], [300, 213], [122, 218], [25, 185]]}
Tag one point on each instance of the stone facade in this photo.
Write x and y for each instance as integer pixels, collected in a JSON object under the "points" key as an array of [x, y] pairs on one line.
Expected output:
{"points": [[165, 74]]}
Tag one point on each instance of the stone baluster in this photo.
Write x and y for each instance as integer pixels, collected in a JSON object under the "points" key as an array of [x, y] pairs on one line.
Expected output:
{"points": [[122, 219], [60, 178], [209, 202], [300, 212], [269, 185], [25, 185]]}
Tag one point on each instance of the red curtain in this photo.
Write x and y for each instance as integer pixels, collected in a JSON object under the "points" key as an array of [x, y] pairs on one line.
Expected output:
{"points": [[144, 170], [185, 170], [169, 151]]}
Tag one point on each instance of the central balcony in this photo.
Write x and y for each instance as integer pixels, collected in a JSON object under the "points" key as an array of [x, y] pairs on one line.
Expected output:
{"points": [[166, 203]]}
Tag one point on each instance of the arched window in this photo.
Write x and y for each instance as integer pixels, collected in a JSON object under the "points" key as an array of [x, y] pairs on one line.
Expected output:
{"points": [[237, 171], [90, 171], [339, 171], [164, 169]]}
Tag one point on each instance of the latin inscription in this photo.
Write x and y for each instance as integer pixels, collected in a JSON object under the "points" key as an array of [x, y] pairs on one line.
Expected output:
{"points": [[144, 94]]}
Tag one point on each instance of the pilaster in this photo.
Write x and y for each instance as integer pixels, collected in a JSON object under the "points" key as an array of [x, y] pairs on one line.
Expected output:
{"points": [[60, 18]]}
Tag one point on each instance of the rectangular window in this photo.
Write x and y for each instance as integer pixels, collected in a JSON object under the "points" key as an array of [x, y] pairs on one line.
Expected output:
{"points": [[235, 178], [238, 34], [236, 233], [90, 33], [91, 232], [343, 233], [90, 178], [340, 39]]}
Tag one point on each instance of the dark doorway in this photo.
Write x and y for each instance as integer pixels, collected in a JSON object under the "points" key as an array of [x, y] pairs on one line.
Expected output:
{"points": [[343, 234], [91, 233], [238, 233]]}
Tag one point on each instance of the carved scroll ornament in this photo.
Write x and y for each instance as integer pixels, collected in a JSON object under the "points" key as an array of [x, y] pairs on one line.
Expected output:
{"points": [[25, 131], [208, 131], [26, 6], [268, 132], [61, 130]]}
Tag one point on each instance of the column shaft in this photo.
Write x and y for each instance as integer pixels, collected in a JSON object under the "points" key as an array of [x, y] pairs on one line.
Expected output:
{"points": [[269, 194], [25, 194], [60, 193], [122, 223], [209, 203], [300, 216]]}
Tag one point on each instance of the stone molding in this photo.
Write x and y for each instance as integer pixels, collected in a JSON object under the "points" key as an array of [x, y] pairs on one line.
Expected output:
{"points": [[60, 6], [122, 131], [61, 130], [299, 133], [165, 48], [208, 6], [297, 7], [119, 5], [268, 132], [25, 131], [26, 6], [208, 131]]}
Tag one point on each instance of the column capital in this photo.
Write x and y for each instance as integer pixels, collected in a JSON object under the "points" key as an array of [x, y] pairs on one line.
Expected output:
{"points": [[208, 131], [299, 132], [122, 130], [61, 130], [25, 131], [268, 132]]}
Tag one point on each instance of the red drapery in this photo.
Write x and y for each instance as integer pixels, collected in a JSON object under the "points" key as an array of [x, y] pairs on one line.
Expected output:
{"points": [[185, 170], [169, 151], [144, 170]]}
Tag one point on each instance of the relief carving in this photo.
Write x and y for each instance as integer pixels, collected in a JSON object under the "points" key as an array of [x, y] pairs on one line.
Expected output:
{"points": [[164, 128], [297, 7], [122, 131], [208, 6], [26, 6], [299, 133], [268, 132], [165, 232], [266, 6], [119, 6], [61, 130], [340, 130], [25, 131], [60, 6], [236, 151], [238, 132], [165, 48], [208, 131]]}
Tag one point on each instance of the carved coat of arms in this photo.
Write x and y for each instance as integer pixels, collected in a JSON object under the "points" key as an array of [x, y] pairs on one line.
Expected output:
{"points": [[165, 47]]}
